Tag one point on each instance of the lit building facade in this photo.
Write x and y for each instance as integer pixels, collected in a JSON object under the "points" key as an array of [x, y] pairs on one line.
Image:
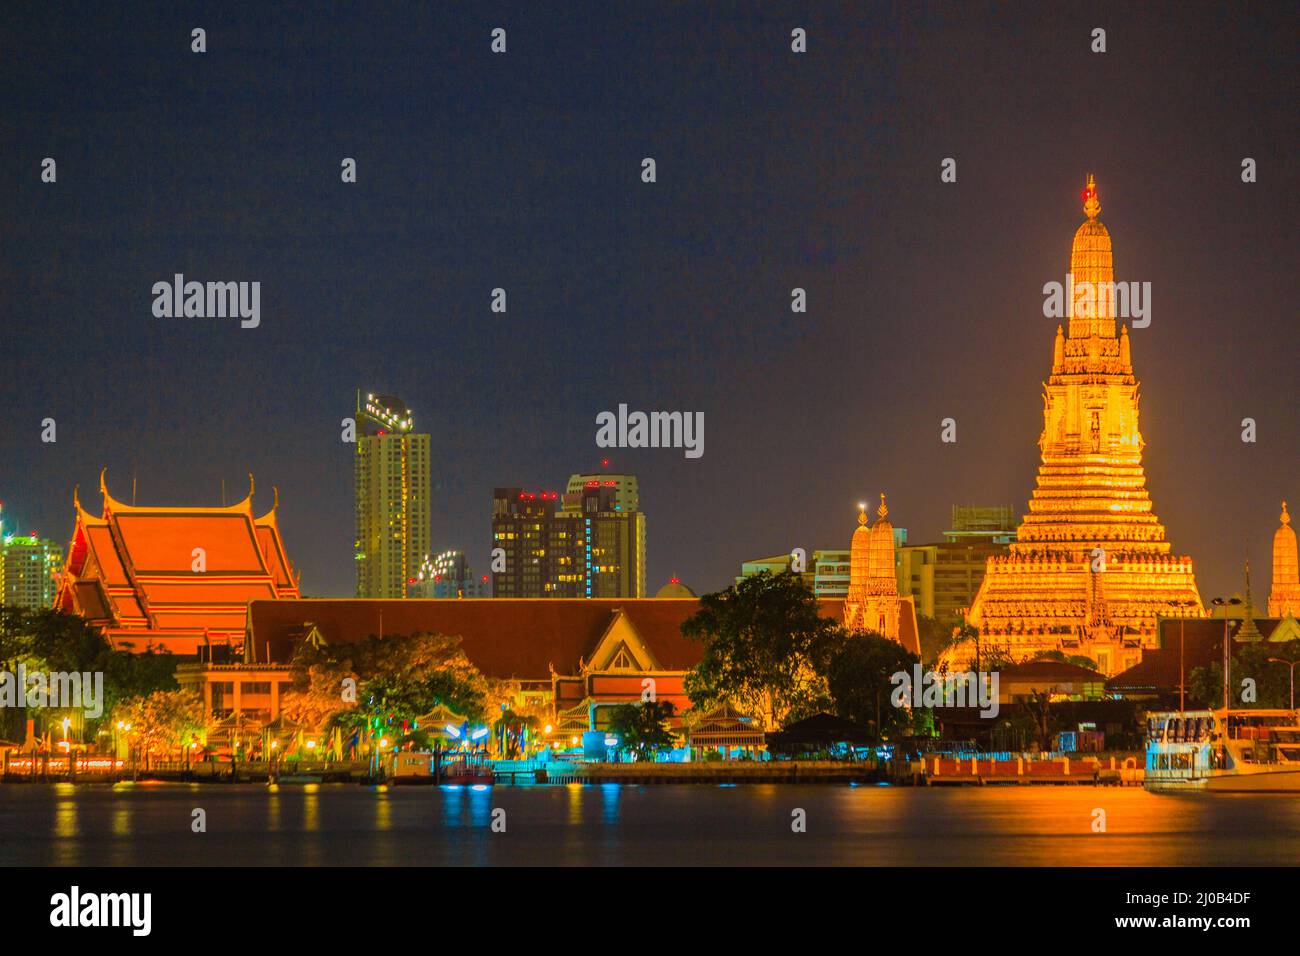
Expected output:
{"points": [[943, 578], [831, 573], [1090, 570], [570, 661], [827, 572], [590, 544], [173, 579], [29, 567], [991, 524], [392, 497], [544, 555], [448, 575]]}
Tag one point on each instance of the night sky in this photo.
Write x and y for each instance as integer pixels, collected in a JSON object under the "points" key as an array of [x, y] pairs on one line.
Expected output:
{"points": [[522, 171]]}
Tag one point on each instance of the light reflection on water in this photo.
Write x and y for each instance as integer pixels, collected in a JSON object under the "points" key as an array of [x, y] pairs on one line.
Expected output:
{"points": [[62, 824]]}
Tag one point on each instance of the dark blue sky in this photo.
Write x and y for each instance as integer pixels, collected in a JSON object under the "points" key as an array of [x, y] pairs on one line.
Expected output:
{"points": [[522, 171]]}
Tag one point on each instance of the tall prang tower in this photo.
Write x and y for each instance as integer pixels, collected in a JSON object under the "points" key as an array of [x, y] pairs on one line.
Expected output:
{"points": [[1284, 597], [873, 603], [392, 494], [1090, 569]]}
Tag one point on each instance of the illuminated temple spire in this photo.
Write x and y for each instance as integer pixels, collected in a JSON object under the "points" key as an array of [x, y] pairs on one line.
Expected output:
{"points": [[872, 603], [1284, 597], [1091, 569], [1092, 268], [860, 558], [881, 577]]}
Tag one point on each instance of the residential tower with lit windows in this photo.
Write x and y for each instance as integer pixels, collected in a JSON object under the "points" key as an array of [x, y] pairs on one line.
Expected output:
{"points": [[588, 543], [392, 497], [29, 567]]}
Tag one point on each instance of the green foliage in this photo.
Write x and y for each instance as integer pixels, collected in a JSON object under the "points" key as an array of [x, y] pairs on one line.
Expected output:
{"points": [[162, 721], [643, 727], [933, 636], [397, 679], [765, 649], [1272, 681], [771, 655], [858, 677], [49, 640], [1078, 660]]}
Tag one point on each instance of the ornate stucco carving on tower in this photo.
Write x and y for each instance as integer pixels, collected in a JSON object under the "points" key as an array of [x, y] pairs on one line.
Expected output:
{"points": [[1284, 596], [872, 603], [1090, 569]]}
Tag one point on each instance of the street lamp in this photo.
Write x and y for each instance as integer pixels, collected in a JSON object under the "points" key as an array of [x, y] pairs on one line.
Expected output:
{"points": [[1183, 605], [1227, 659], [1290, 664]]}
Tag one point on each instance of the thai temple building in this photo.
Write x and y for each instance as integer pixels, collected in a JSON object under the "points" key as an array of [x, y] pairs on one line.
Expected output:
{"points": [[873, 603], [173, 579], [1284, 597], [1090, 569]]}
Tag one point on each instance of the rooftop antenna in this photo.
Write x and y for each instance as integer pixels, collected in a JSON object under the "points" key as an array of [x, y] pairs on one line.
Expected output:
{"points": [[223, 492], [133, 471]]}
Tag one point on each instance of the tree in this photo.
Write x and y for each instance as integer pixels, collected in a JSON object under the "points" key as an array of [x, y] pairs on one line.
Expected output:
{"points": [[859, 680], [1078, 660], [162, 721], [49, 640], [643, 727], [1040, 705], [933, 637], [1271, 682], [966, 636], [397, 680], [765, 648], [316, 692]]}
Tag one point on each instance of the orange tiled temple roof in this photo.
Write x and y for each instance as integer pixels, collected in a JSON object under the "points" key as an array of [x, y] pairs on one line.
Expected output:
{"points": [[132, 571]]}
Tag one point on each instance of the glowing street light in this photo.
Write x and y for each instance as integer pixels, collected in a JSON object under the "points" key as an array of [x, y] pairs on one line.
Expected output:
{"points": [[1227, 648]]}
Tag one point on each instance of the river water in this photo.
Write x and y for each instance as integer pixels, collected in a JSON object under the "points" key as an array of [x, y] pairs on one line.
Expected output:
{"points": [[346, 824]]}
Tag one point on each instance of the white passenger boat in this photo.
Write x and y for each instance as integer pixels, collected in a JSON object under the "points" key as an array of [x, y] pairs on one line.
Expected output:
{"points": [[1255, 751]]}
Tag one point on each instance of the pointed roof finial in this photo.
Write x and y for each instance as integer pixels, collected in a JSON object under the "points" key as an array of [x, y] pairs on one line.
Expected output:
{"points": [[1091, 204], [882, 510], [1286, 518], [862, 512]]}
